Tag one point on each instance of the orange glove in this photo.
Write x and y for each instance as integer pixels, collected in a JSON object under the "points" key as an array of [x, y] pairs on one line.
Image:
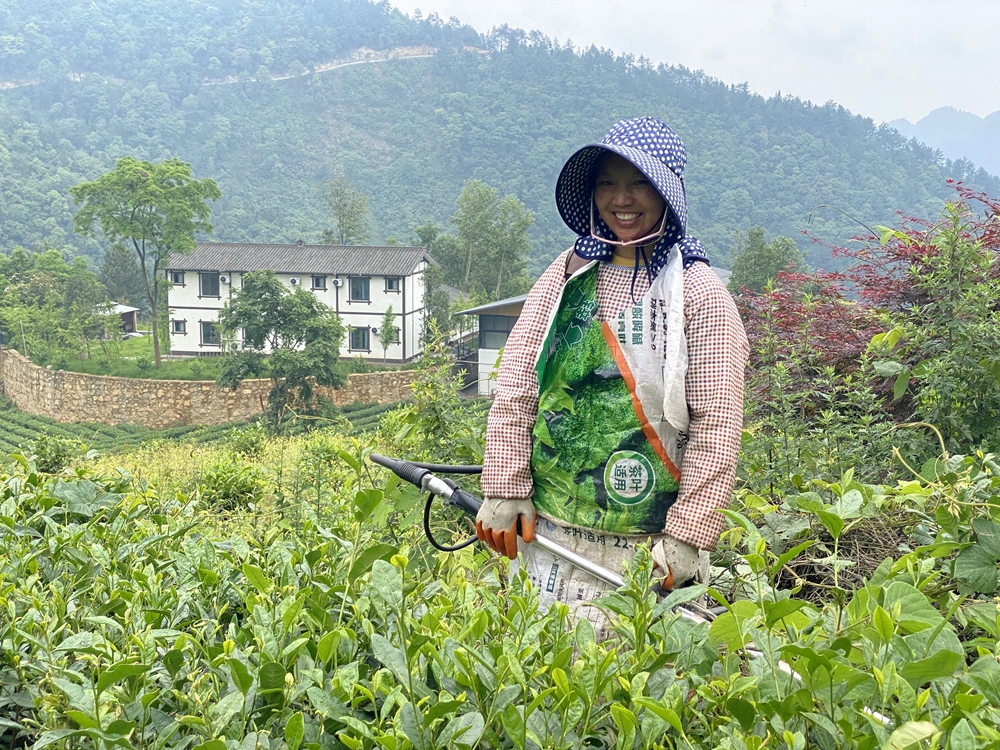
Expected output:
{"points": [[497, 524], [680, 562]]}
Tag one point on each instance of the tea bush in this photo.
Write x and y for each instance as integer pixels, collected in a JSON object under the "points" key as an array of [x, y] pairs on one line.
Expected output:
{"points": [[135, 614]]}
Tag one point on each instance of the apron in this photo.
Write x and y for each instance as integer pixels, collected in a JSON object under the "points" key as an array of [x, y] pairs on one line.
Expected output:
{"points": [[610, 434]]}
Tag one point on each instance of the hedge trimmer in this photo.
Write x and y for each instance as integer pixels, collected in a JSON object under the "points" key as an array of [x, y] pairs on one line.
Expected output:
{"points": [[423, 477]]}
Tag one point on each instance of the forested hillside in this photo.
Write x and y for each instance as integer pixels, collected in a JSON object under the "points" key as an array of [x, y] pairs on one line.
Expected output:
{"points": [[243, 93]]}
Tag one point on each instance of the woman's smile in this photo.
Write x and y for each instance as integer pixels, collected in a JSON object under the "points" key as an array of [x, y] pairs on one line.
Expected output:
{"points": [[625, 199]]}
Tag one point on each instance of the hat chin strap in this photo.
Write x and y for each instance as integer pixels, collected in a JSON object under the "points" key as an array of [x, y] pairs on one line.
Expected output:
{"points": [[618, 243]]}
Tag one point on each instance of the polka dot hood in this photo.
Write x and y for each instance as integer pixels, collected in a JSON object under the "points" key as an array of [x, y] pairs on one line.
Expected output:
{"points": [[658, 153]]}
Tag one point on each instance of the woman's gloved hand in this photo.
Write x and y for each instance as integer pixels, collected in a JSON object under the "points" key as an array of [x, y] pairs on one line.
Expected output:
{"points": [[678, 560], [497, 524]]}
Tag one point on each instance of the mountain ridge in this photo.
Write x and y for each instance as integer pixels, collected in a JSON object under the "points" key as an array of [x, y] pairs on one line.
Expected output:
{"points": [[958, 135]]}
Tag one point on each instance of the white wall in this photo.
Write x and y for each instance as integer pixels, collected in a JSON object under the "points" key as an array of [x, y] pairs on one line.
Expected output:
{"points": [[185, 303], [487, 367]]}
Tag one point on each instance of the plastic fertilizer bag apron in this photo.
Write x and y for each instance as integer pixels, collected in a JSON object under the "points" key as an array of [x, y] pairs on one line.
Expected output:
{"points": [[610, 435]]}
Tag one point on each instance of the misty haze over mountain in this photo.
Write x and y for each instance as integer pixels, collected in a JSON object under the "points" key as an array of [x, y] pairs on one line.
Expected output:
{"points": [[959, 135]]}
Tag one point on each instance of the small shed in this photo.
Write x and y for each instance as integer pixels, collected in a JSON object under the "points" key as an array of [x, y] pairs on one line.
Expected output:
{"points": [[127, 315], [495, 321]]}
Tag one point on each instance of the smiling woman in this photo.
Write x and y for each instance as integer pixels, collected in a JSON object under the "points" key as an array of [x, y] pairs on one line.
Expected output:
{"points": [[628, 202]]}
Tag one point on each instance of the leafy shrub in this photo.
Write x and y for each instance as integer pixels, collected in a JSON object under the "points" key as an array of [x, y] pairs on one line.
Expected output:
{"points": [[143, 364], [52, 454], [229, 482], [248, 440]]}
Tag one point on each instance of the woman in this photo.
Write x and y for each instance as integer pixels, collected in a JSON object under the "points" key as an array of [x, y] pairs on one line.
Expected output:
{"points": [[619, 401]]}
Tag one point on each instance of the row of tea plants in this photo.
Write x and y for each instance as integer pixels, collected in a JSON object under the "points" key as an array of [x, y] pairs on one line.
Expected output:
{"points": [[136, 614]]}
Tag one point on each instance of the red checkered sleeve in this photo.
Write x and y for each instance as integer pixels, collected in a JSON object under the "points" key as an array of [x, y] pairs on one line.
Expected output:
{"points": [[717, 358], [507, 461]]}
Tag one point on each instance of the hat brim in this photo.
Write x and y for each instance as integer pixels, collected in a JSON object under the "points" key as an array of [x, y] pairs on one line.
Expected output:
{"points": [[574, 191]]}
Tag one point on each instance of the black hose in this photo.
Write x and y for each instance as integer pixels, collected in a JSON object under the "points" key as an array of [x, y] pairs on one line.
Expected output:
{"points": [[430, 535], [449, 468]]}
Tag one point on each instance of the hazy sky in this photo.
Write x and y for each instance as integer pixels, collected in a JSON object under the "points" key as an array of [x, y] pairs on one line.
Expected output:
{"points": [[880, 58]]}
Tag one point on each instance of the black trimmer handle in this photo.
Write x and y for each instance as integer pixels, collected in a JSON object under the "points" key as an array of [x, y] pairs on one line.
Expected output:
{"points": [[402, 469], [425, 480]]}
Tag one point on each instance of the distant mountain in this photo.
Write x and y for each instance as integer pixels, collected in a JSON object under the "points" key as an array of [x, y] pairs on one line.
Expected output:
{"points": [[959, 135], [270, 98]]}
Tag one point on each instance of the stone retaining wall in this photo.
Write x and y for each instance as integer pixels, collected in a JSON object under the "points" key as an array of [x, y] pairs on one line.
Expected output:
{"points": [[77, 397]]}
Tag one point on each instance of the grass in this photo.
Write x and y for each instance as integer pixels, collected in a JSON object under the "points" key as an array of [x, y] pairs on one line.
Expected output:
{"points": [[133, 358]]}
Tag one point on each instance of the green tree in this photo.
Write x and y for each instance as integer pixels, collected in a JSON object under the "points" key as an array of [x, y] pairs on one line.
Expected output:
{"points": [[388, 333], [349, 210], [757, 262], [50, 309], [288, 336], [121, 275], [437, 304], [156, 208], [492, 240]]}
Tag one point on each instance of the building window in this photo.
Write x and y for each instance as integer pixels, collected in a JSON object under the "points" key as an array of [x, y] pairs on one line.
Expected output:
{"points": [[359, 289], [494, 329], [209, 333], [360, 341], [177, 278], [209, 284], [392, 283], [319, 283], [178, 326]]}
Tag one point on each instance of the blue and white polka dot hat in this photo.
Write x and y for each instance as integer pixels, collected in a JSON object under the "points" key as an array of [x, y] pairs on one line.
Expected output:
{"points": [[658, 153]]}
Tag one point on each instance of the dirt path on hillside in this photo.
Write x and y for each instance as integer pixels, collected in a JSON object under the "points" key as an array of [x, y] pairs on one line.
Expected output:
{"points": [[361, 56]]}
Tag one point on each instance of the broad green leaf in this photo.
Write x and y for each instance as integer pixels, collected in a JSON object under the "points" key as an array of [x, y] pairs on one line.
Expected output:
{"points": [[987, 535], [744, 712], [226, 708], [325, 704], [211, 745], [367, 558], [117, 673], [391, 657], [327, 646], [413, 728], [388, 584], [910, 736], [984, 676], [241, 676], [977, 569], [962, 736], [350, 460], [915, 610], [775, 611], [83, 643], [295, 729], [832, 522], [271, 677], [883, 624], [257, 578], [887, 368], [367, 501], [462, 731], [940, 664], [84, 720], [173, 660]]}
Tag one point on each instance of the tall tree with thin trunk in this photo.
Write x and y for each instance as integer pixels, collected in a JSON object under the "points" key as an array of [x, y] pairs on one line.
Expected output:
{"points": [[157, 209], [349, 210], [388, 333]]}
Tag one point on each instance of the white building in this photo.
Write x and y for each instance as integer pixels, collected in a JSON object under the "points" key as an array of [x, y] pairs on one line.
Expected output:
{"points": [[359, 283]]}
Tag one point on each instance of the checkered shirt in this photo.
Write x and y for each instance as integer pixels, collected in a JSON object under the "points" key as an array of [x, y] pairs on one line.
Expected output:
{"points": [[717, 357]]}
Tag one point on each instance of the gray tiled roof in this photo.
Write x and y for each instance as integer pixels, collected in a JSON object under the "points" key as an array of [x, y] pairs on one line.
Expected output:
{"points": [[305, 259]]}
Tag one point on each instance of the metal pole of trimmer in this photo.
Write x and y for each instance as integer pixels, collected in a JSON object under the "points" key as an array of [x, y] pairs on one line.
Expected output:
{"points": [[454, 495]]}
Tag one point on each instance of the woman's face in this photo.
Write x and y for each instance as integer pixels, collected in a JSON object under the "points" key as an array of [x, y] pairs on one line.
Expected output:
{"points": [[626, 199]]}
